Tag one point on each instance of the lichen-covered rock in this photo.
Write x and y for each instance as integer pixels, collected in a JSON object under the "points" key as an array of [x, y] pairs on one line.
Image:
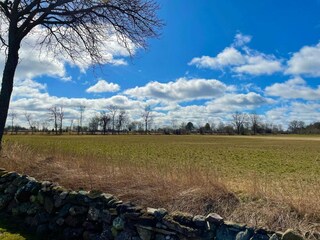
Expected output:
{"points": [[40, 198], [245, 235], [236, 227], [118, 223], [24, 193], [158, 213], [144, 234], [274, 237], [59, 199], [183, 218], [93, 214], [290, 234], [214, 219], [260, 237], [11, 189], [48, 204], [178, 227], [225, 233], [200, 221], [9, 177]]}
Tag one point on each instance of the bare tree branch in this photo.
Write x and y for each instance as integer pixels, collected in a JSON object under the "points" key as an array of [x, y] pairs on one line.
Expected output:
{"points": [[70, 28]]}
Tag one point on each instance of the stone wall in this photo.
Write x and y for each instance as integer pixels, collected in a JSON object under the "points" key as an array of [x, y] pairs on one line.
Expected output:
{"points": [[53, 212]]}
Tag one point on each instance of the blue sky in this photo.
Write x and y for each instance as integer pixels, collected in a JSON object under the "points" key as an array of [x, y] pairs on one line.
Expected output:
{"points": [[213, 58]]}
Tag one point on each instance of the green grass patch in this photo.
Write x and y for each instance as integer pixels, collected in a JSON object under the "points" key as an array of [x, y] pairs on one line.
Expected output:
{"points": [[231, 156]]}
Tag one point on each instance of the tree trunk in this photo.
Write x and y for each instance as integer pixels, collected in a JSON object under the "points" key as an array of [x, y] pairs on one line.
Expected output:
{"points": [[7, 85]]}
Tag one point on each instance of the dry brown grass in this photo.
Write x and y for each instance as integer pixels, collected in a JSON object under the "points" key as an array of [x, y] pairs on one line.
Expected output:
{"points": [[256, 201]]}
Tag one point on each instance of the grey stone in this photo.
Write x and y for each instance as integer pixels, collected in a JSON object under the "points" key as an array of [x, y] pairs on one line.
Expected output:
{"points": [[11, 189], [260, 237], [214, 218], [46, 186], [200, 221], [245, 235], [223, 233], [144, 234], [178, 227], [124, 235], [24, 207], [64, 211], [48, 204], [8, 177], [158, 213], [118, 223], [290, 234], [274, 237], [93, 214], [40, 198]]}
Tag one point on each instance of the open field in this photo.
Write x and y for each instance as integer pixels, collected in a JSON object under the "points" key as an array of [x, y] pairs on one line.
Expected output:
{"points": [[269, 181]]}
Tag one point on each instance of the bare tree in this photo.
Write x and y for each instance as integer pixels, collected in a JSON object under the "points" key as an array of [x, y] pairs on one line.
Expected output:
{"points": [[29, 119], [113, 112], [238, 120], [94, 124], [12, 115], [255, 121], [70, 28], [104, 121], [60, 118], [53, 116], [147, 117], [71, 125], [82, 108], [122, 117], [44, 125]]}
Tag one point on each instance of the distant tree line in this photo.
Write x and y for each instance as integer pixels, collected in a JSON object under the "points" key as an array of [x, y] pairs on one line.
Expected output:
{"points": [[115, 120]]}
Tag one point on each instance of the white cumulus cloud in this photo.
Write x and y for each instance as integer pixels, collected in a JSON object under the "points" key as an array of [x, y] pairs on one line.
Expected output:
{"points": [[241, 59], [305, 62], [228, 57], [103, 86], [181, 90], [295, 88]]}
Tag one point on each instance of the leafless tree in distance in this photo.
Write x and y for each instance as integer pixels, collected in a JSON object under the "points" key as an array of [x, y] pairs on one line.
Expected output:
{"points": [[147, 117], [82, 108], [238, 120], [12, 115], [53, 116], [104, 121], [113, 109], [122, 117], [69, 28], [255, 121], [29, 119], [60, 118]]}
